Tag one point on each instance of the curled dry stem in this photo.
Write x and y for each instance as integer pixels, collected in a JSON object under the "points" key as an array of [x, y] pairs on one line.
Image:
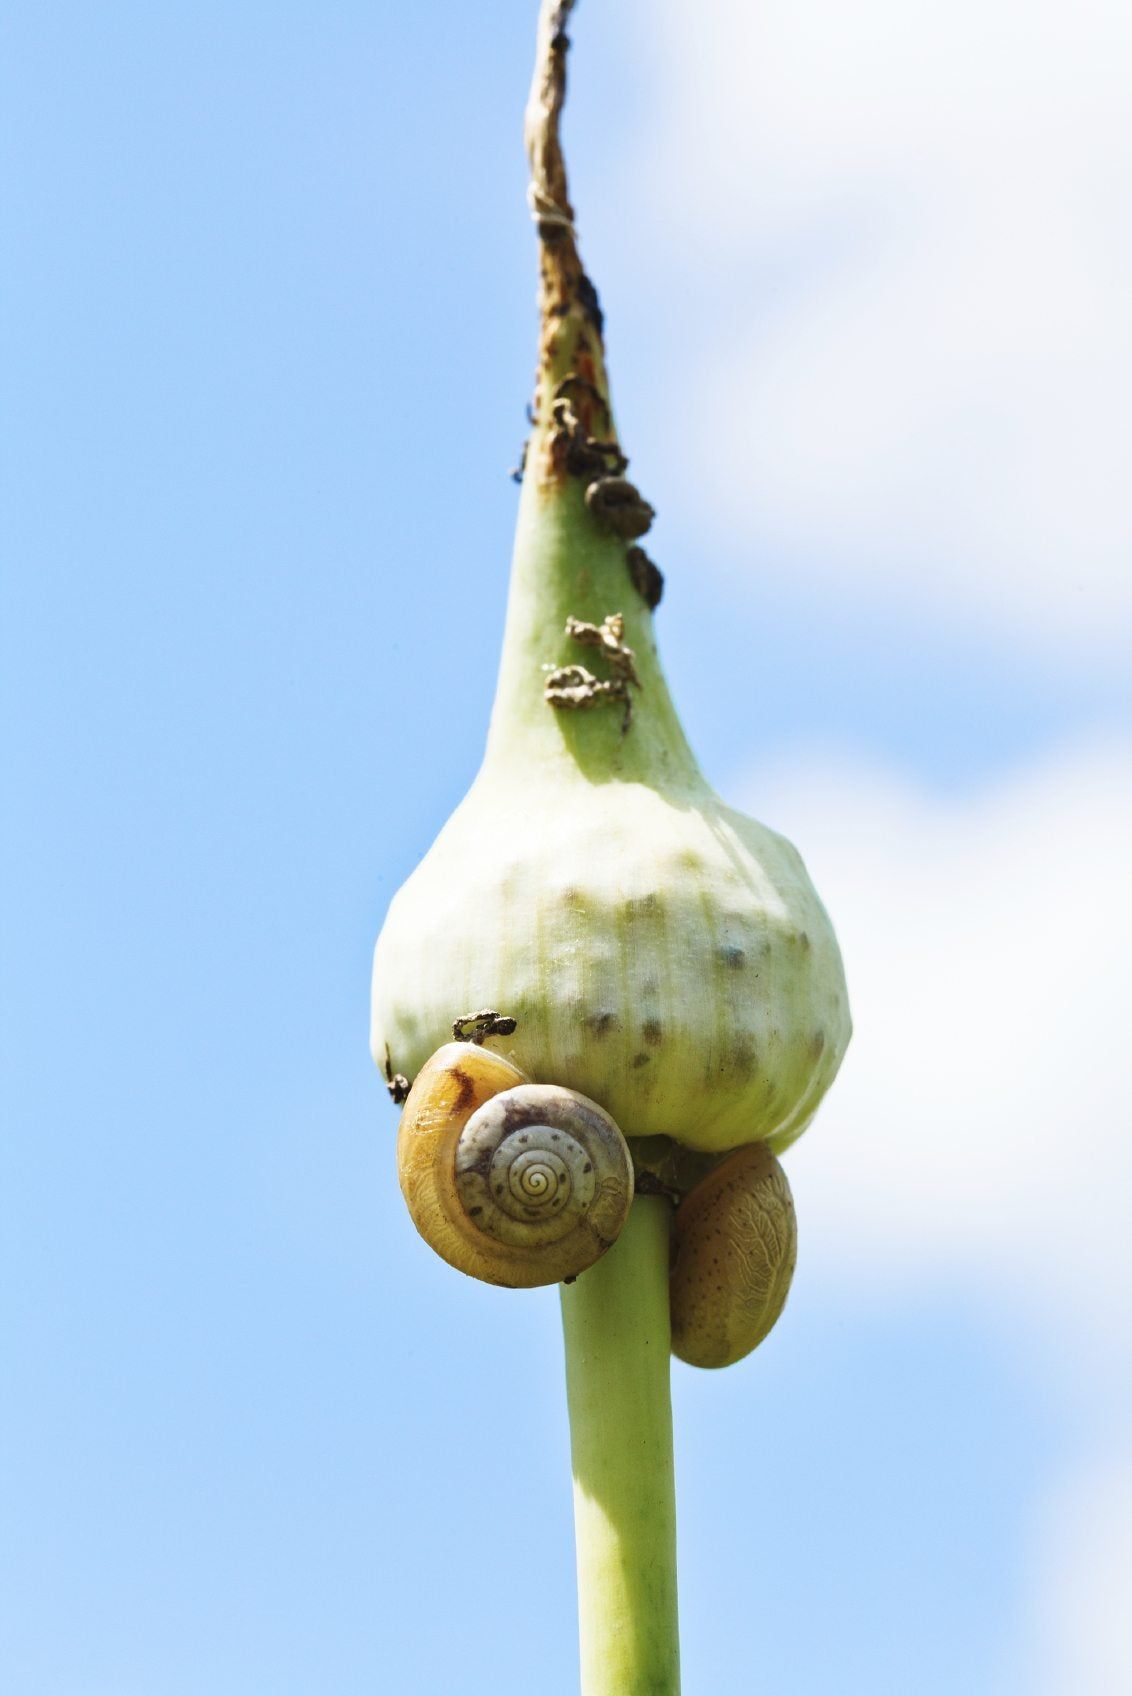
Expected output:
{"points": [[548, 194]]}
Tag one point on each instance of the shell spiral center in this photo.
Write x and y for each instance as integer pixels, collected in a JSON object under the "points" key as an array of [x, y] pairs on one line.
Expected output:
{"points": [[527, 1165]]}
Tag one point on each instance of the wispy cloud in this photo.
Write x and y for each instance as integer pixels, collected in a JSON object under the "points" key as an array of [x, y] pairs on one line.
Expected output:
{"points": [[1080, 1644], [979, 1133], [923, 214]]}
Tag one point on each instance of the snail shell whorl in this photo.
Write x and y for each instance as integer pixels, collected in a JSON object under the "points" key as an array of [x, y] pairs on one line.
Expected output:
{"points": [[512, 1182], [735, 1241]]}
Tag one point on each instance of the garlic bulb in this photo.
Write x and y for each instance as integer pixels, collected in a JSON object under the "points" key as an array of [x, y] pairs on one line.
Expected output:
{"points": [[659, 952]]}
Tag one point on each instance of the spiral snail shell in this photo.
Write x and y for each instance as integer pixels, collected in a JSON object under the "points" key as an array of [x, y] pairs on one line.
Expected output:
{"points": [[512, 1182], [735, 1241]]}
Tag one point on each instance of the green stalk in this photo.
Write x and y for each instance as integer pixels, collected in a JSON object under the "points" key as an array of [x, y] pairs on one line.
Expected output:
{"points": [[616, 1324]]}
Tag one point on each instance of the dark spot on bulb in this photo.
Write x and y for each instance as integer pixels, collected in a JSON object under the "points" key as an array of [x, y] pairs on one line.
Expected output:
{"points": [[817, 1045], [742, 1061], [602, 1023], [640, 1060], [733, 956], [653, 1031]]}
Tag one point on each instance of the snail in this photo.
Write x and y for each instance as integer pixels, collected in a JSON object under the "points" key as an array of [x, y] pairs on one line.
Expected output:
{"points": [[521, 1184], [734, 1243], [512, 1182]]}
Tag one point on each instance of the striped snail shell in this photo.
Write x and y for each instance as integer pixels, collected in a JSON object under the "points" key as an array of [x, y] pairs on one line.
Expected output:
{"points": [[512, 1182], [735, 1241]]}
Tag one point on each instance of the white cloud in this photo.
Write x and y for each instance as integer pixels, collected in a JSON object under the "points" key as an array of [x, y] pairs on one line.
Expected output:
{"points": [[922, 215], [980, 1134], [1083, 1582]]}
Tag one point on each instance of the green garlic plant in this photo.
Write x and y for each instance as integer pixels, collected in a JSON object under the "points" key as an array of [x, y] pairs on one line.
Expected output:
{"points": [[671, 1000]]}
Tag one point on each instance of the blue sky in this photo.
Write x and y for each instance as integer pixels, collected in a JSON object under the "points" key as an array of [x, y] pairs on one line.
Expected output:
{"points": [[268, 335]]}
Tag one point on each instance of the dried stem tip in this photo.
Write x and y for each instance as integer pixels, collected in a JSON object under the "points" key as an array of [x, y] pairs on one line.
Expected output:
{"points": [[549, 198], [570, 343]]}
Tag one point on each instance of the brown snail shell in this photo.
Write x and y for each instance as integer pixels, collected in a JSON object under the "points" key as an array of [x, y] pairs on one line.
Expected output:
{"points": [[512, 1182], [735, 1241]]}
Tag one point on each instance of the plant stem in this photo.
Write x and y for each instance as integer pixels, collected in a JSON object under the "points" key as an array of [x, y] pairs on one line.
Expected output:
{"points": [[615, 1318]]}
